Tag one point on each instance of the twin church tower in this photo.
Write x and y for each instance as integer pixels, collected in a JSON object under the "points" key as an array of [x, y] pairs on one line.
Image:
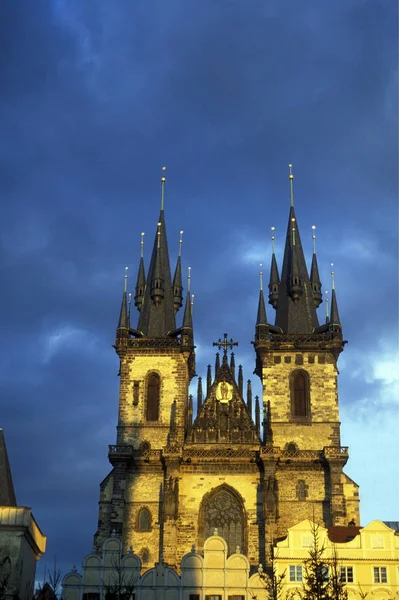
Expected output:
{"points": [[249, 470]]}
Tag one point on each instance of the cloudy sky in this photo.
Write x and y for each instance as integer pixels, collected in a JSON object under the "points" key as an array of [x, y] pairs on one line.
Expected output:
{"points": [[94, 98]]}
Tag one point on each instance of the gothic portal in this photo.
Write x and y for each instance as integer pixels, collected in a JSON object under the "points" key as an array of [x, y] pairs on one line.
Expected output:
{"points": [[247, 467]]}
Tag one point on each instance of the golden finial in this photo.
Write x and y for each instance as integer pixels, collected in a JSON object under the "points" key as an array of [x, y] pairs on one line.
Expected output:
{"points": [[125, 281], [180, 241], [159, 235], [192, 301], [291, 178], [163, 181], [273, 230], [293, 231], [189, 280], [142, 244], [332, 277], [314, 238], [261, 277]]}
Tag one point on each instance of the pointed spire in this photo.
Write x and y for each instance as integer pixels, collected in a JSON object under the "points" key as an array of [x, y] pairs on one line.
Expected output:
{"points": [[217, 363], [199, 394], [334, 314], [208, 379], [249, 396], [188, 317], [177, 279], [314, 274], [274, 281], [261, 328], [240, 381], [157, 315], [123, 323], [140, 284], [233, 365], [190, 411], [7, 493], [295, 311]]}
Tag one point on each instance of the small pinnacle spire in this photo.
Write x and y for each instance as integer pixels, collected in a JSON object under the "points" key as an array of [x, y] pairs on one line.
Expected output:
{"points": [[177, 280], [249, 396], [326, 301], [217, 363], [123, 323], [190, 411], [334, 314], [163, 181], [187, 338], [261, 326], [274, 281], [208, 379], [240, 381], [199, 394], [314, 273], [291, 179], [141, 282], [233, 365]]}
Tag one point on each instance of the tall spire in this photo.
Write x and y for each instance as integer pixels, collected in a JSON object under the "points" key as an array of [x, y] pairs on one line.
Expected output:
{"points": [[7, 493], [233, 365], [140, 284], [188, 315], [314, 274], [177, 279], [240, 381], [123, 323], [295, 311], [208, 379], [249, 396], [157, 315], [199, 394], [334, 314], [274, 281]]}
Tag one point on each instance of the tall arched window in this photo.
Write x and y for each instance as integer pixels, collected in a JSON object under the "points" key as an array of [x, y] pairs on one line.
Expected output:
{"points": [[153, 397], [223, 511], [300, 396], [144, 520]]}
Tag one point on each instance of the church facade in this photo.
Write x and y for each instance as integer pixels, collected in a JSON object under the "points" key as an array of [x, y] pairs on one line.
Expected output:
{"points": [[226, 464]]}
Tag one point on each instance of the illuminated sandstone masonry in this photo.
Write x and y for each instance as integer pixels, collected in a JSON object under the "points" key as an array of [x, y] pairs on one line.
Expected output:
{"points": [[182, 469]]}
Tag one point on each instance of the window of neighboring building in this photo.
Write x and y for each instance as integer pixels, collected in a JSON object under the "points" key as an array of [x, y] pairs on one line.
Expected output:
{"points": [[153, 397], [380, 575], [144, 520], [194, 597], [307, 541], [377, 541], [295, 573], [235, 597], [300, 395], [347, 574], [213, 597]]}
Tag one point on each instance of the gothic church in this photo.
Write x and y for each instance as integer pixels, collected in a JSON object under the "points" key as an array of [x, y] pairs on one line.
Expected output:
{"points": [[249, 470]]}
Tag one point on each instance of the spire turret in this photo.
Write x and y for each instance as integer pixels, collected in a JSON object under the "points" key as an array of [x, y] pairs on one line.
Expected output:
{"points": [[187, 327], [208, 379], [240, 381], [123, 323], [274, 281], [334, 321], [249, 396], [314, 274], [7, 493], [261, 327], [157, 315], [140, 284], [199, 394], [257, 414], [233, 365], [217, 363], [177, 279], [295, 311]]}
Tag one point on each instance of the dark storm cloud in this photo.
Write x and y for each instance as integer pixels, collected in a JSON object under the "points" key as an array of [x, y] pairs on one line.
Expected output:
{"points": [[95, 97]]}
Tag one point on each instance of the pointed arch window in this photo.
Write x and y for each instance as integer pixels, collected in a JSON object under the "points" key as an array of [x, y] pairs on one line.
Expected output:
{"points": [[223, 511], [153, 397], [300, 405], [144, 520]]}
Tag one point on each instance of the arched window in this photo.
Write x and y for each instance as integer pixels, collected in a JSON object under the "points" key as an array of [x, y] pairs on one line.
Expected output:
{"points": [[153, 397], [223, 510], [300, 396], [144, 520]]}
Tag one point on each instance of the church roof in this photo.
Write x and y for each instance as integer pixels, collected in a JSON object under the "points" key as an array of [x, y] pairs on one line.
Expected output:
{"points": [[7, 494]]}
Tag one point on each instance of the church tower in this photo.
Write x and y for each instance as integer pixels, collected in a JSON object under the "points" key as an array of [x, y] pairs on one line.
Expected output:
{"points": [[246, 468], [296, 360]]}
